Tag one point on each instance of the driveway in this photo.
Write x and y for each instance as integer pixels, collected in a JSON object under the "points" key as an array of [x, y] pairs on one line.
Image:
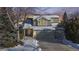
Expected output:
{"points": [[47, 46]]}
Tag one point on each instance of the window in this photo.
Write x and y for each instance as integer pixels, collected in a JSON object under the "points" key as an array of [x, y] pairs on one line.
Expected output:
{"points": [[54, 20]]}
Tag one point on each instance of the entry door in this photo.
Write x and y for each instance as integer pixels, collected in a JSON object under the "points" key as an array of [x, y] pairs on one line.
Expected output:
{"points": [[29, 32]]}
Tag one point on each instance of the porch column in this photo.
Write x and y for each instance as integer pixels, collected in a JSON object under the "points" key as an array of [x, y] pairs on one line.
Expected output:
{"points": [[24, 34], [18, 35]]}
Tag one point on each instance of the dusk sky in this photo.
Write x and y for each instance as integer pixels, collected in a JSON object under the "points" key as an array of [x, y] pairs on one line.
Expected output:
{"points": [[50, 10], [58, 9]]}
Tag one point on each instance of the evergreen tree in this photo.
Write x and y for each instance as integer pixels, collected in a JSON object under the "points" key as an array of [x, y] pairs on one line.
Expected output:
{"points": [[71, 28]]}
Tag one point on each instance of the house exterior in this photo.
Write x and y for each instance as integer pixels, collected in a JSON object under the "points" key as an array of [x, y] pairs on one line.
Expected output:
{"points": [[42, 20], [55, 20], [39, 21]]}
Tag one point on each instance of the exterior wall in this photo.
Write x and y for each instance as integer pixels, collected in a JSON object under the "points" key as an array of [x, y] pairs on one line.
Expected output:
{"points": [[42, 22]]}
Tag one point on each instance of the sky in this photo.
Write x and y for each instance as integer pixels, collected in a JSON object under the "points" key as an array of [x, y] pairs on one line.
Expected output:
{"points": [[52, 10]]}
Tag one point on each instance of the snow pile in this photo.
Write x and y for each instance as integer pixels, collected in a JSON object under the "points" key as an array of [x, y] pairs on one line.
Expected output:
{"points": [[67, 42], [33, 43], [43, 27], [16, 48], [29, 45]]}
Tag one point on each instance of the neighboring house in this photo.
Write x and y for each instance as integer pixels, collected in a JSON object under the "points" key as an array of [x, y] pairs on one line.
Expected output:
{"points": [[46, 20], [55, 20], [42, 21]]}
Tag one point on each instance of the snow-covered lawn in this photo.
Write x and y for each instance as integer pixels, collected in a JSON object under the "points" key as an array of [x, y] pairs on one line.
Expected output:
{"points": [[29, 45]]}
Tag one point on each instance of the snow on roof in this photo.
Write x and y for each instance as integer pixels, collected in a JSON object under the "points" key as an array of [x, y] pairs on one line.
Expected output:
{"points": [[45, 16], [26, 26]]}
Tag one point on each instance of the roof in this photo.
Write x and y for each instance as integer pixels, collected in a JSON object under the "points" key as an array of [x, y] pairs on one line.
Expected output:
{"points": [[46, 16]]}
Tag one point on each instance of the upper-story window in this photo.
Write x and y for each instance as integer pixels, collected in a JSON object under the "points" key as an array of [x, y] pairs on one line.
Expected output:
{"points": [[54, 20]]}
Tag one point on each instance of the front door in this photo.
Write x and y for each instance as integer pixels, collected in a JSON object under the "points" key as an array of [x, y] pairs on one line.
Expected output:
{"points": [[29, 32]]}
